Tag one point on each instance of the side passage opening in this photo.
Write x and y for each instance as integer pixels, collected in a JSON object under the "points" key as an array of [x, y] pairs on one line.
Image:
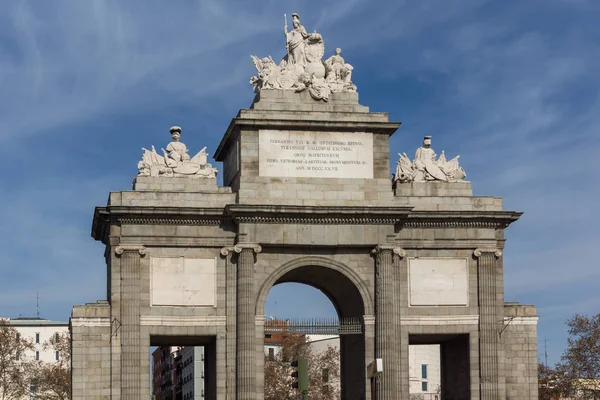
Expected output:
{"points": [[439, 367], [183, 367]]}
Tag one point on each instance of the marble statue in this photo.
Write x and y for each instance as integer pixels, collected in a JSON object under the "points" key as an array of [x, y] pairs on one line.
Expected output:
{"points": [[295, 41], [175, 160], [425, 166], [303, 67]]}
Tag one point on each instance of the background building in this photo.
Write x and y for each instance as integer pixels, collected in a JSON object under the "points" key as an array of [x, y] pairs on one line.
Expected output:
{"points": [[39, 331], [178, 373], [424, 371]]}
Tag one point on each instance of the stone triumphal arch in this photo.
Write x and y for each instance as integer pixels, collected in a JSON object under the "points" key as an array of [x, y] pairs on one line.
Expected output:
{"points": [[306, 197]]}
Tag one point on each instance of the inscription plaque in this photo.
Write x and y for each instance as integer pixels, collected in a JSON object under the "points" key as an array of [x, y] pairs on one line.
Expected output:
{"points": [[315, 154], [438, 281], [179, 281]]}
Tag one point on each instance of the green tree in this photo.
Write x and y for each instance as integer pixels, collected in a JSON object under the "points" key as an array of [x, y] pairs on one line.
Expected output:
{"points": [[16, 364], [580, 363], [54, 379], [323, 370]]}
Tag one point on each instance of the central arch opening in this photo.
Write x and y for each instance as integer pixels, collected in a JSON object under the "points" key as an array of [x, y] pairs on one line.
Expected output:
{"points": [[332, 295]]}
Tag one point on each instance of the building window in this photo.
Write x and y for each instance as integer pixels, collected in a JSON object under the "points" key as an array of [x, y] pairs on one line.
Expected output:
{"points": [[57, 356], [423, 386], [56, 337], [37, 355], [271, 353], [37, 338], [33, 385], [18, 356], [325, 375], [424, 371], [18, 337]]}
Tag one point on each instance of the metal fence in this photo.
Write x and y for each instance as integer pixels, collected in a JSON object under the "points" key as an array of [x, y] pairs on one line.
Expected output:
{"points": [[315, 326]]}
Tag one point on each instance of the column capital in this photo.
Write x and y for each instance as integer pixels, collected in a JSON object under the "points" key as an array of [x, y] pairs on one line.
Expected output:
{"points": [[482, 250], [131, 247], [255, 247], [399, 251], [225, 251]]}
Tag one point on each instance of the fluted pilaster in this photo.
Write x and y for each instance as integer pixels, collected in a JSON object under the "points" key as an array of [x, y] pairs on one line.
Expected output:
{"points": [[246, 330], [488, 322], [387, 321], [130, 319]]}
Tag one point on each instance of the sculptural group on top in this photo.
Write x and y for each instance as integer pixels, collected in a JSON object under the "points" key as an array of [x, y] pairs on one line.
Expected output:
{"points": [[175, 160], [303, 67], [427, 167]]}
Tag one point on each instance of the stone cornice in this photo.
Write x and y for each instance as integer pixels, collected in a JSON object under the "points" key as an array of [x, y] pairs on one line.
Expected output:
{"points": [[142, 215], [460, 219], [275, 214]]}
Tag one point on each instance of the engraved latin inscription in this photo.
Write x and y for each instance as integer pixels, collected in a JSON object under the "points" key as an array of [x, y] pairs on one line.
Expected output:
{"points": [[316, 154]]}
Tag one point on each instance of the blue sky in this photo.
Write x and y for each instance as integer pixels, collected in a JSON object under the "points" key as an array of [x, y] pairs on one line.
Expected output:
{"points": [[511, 86]]}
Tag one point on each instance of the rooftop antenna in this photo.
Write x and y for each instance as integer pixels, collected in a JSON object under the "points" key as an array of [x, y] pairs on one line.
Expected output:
{"points": [[37, 303], [545, 351]]}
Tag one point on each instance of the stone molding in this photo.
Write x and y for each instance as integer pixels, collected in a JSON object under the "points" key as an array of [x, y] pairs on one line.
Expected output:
{"points": [[521, 320], [119, 250], [170, 221], [318, 220], [85, 321], [369, 319], [316, 215], [482, 250], [182, 320], [455, 224], [260, 320], [399, 251], [441, 320], [255, 247]]}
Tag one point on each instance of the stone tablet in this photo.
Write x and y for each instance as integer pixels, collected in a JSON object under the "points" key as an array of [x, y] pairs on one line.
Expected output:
{"points": [[179, 281], [315, 154], [438, 281]]}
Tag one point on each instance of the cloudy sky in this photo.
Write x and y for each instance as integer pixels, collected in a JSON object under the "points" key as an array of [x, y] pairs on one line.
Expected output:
{"points": [[511, 86]]}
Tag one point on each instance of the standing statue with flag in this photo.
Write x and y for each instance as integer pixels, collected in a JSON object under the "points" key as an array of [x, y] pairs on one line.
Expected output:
{"points": [[295, 41]]}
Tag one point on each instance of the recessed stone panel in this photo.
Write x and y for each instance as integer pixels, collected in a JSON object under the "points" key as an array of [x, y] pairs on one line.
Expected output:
{"points": [[315, 154], [179, 281], [438, 281]]}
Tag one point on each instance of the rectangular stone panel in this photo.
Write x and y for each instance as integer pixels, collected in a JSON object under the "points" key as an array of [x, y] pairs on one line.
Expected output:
{"points": [[315, 154], [438, 281], [180, 281]]}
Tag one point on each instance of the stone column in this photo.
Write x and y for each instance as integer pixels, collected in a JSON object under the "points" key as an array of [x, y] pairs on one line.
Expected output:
{"points": [[130, 319], [387, 321], [246, 329], [488, 322], [231, 317]]}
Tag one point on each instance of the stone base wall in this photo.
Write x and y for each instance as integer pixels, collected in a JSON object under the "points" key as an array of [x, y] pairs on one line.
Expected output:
{"points": [[520, 348], [174, 183], [433, 189], [90, 354], [285, 100]]}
